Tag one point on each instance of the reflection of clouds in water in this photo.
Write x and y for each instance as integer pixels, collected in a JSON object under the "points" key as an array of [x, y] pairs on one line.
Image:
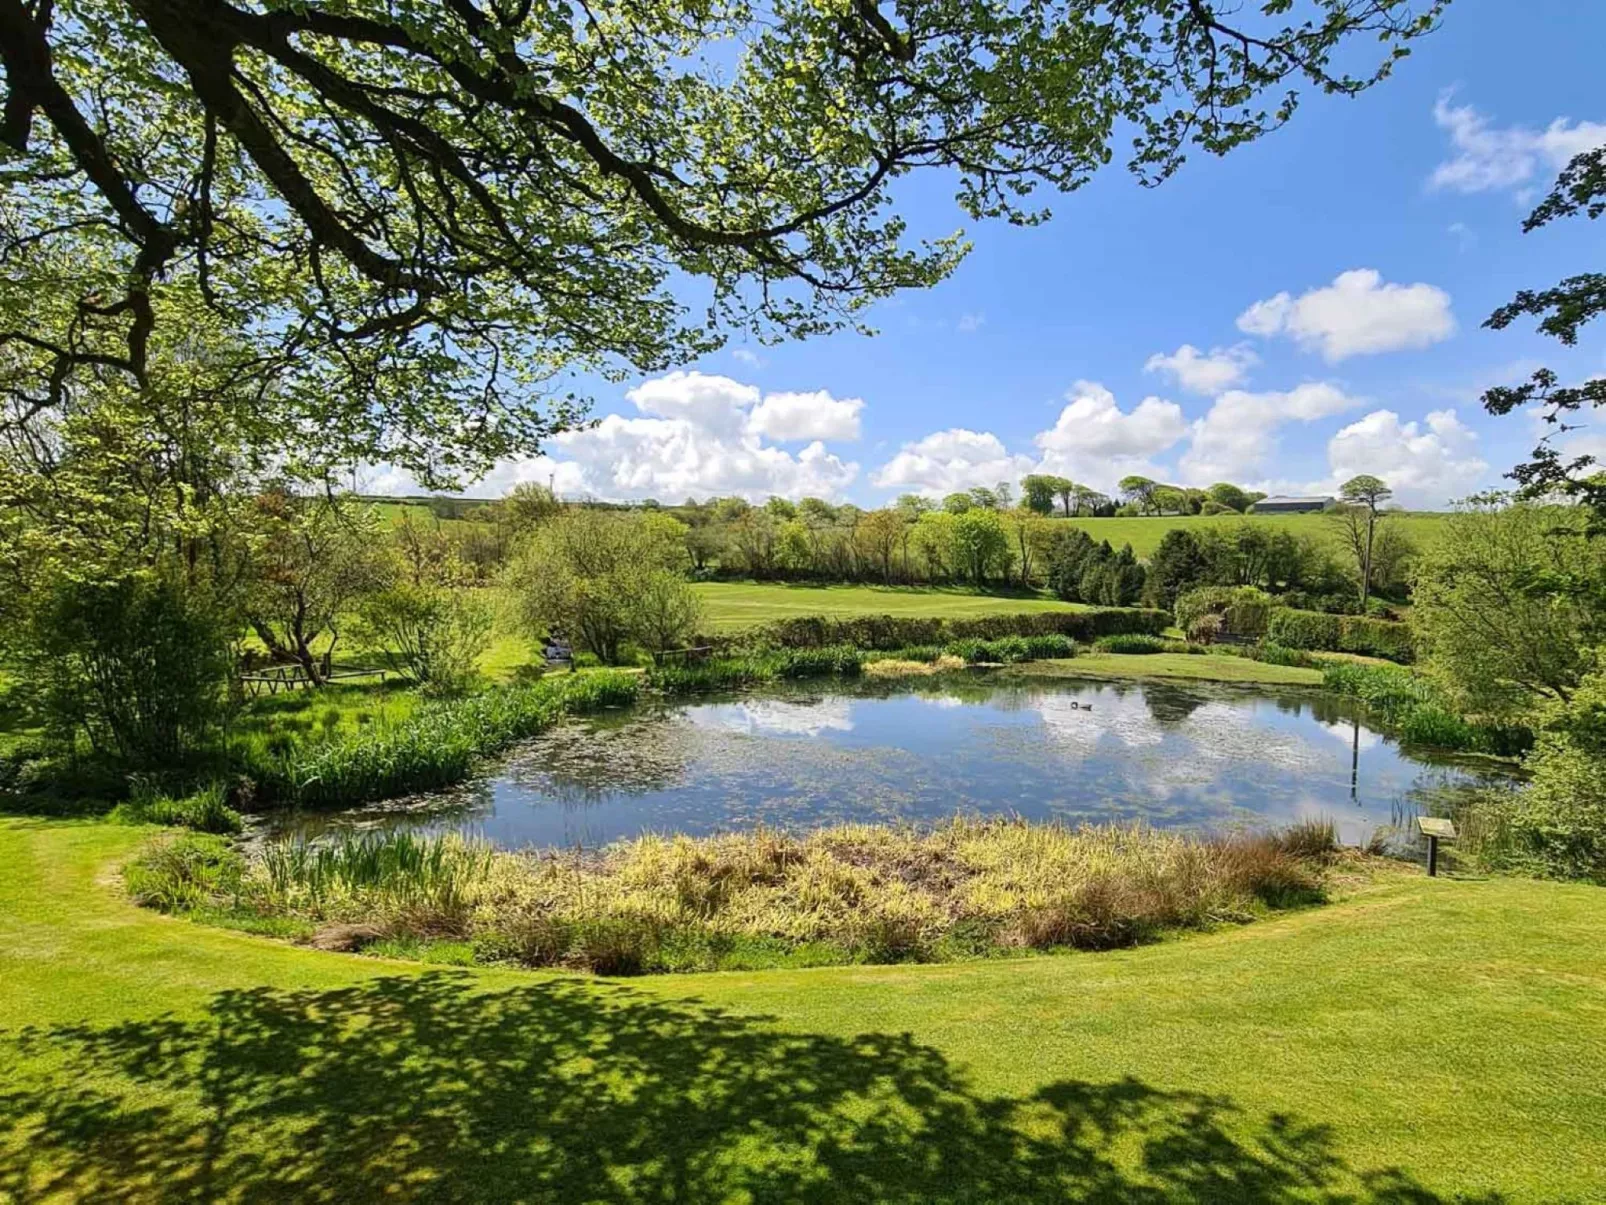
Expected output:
{"points": [[1220, 732], [759, 717], [1346, 733], [1077, 728], [940, 700]]}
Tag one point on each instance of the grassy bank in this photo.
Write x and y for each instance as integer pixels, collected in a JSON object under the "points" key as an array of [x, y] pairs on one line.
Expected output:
{"points": [[1330, 1054], [848, 894], [1199, 667], [733, 605]]}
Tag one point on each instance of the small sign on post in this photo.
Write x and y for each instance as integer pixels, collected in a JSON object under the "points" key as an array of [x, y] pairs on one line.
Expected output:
{"points": [[1435, 829]]}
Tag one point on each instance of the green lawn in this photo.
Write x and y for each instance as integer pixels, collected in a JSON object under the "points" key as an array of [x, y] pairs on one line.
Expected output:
{"points": [[1422, 1040], [1424, 527], [742, 604], [1211, 667]]}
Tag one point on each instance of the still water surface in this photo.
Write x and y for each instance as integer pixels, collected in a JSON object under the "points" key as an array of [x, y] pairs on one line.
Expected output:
{"points": [[1190, 756]]}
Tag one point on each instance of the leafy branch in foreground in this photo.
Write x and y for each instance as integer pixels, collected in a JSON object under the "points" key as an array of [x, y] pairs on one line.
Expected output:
{"points": [[1561, 311], [415, 217]]}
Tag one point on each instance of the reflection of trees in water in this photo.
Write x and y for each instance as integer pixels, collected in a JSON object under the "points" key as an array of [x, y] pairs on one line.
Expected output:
{"points": [[1171, 704], [1448, 792]]}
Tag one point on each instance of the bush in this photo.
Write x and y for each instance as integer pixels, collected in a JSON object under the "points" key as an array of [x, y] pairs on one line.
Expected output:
{"points": [[432, 636], [1132, 644], [1207, 628], [1303, 629], [1340, 634], [841, 659], [887, 633], [137, 665], [1244, 610]]}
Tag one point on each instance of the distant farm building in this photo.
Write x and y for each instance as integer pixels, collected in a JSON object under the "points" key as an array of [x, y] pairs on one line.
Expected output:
{"points": [[1290, 506]]}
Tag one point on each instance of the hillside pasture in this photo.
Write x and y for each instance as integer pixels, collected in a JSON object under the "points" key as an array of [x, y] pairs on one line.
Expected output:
{"points": [[1425, 528], [733, 605]]}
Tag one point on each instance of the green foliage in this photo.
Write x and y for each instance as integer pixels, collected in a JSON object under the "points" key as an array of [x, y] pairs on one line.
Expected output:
{"points": [[1133, 644], [185, 871], [889, 632], [1418, 711], [1511, 606], [1177, 565], [1244, 610], [1303, 629], [436, 746], [980, 544], [206, 810], [1229, 497], [591, 575], [1082, 571], [137, 665], [433, 636]]}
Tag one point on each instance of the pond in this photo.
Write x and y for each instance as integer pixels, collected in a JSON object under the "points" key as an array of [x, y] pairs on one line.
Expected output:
{"points": [[1191, 756]]}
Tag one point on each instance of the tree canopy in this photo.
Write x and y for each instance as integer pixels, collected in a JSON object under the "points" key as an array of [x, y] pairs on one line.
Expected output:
{"points": [[399, 226]]}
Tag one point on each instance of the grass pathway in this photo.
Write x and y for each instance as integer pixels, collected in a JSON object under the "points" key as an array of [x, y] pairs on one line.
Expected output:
{"points": [[1421, 1040]]}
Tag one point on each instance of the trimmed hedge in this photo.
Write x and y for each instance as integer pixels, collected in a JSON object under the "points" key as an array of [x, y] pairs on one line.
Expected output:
{"points": [[885, 633], [1341, 634]]}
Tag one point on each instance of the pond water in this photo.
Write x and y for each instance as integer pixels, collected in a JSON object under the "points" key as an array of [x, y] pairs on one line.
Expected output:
{"points": [[1191, 756]]}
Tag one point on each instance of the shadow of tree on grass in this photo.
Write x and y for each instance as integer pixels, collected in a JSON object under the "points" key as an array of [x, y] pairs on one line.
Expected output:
{"points": [[428, 1088]]}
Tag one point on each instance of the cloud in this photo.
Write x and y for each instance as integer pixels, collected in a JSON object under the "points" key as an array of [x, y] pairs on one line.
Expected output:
{"points": [[1426, 464], [1358, 314], [1465, 237], [1488, 157], [696, 435], [969, 324], [1238, 435], [1096, 442], [1093, 441], [748, 356], [817, 415], [946, 461], [1205, 372]]}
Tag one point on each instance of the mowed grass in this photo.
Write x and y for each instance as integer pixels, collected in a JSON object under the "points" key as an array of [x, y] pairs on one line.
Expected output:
{"points": [[1420, 1040], [1211, 667], [1425, 528], [743, 604]]}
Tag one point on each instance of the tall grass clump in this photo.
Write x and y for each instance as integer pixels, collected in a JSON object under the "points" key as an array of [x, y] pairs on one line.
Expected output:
{"points": [[437, 745], [206, 810], [853, 893], [1418, 712]]}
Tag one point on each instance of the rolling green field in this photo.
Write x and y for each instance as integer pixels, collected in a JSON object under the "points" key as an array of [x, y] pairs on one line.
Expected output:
{"points": [[1425, 528], [742, 604], [1417, 1041]]}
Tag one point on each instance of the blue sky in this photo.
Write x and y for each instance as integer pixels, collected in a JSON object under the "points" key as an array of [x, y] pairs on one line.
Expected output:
{"points": [[1378, 233]]}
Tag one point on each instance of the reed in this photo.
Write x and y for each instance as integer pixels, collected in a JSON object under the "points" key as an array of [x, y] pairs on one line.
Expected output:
{"points": [[853, 893]]}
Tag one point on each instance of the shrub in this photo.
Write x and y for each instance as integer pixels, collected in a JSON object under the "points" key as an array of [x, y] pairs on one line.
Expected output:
{"points": [[887, 633], [137, 665], [1132, 644], [1303, 629], [432, 636], [1049, 647], [841, 659], [1207, 628], [1418, 711], [1244, 610]]}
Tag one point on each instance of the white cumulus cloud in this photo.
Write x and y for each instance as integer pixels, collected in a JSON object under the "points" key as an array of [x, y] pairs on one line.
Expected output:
{"points": [[1426, 464], [1488, 157], [1237, 437], [1358, 314], [946, 461], [817, 415], [1096, 442], [696, 435], [1205, 372]]}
